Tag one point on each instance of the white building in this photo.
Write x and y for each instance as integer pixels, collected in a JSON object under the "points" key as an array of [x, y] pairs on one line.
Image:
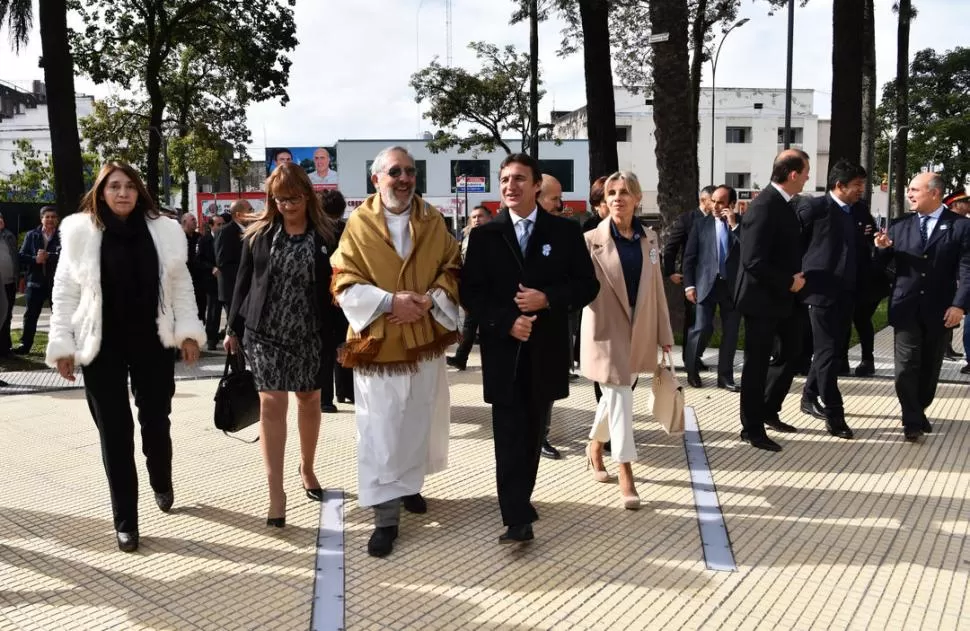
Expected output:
{"points": [[748, 129], [23, 115]]}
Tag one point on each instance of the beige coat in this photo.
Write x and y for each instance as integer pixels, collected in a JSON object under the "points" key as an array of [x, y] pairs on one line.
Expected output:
{"points": [[614, 342]]}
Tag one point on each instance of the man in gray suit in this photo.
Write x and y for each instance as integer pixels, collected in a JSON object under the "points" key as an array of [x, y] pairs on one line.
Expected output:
{"points": [[710, 270]]}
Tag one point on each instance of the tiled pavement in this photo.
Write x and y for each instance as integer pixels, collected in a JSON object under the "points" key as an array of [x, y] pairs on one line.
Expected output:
{"points": [[870, 533]]}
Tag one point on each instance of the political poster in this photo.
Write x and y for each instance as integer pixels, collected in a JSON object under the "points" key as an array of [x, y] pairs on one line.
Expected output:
{"points": [[210, 204], [319, 162]]}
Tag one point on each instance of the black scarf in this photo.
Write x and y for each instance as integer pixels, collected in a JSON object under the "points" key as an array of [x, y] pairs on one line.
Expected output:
{"points": [[129, 275]]}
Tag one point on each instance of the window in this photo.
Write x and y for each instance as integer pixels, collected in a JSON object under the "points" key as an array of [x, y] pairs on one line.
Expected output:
{"points": [[471, 168], [623, 133], [795, 135], [422, 177], [738, 180], [562, 170], [738, 135]]}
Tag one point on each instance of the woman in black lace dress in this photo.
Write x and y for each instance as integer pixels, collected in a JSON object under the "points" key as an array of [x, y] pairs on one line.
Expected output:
{"points": [[282, 310]]}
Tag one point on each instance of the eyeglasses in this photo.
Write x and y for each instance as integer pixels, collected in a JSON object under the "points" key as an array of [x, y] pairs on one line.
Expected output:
{"points": [[396, 171], [287, 201]]}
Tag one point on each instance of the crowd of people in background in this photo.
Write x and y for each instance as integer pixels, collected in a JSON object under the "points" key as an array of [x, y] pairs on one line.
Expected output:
{"points": [[362, 312]]}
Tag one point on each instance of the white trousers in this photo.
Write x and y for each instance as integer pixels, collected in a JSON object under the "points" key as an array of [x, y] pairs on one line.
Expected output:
{"points": [[613, 422]]}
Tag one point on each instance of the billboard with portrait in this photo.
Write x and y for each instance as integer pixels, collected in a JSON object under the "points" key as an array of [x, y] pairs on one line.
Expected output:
{"points": [[209, 204], [320, 163]]}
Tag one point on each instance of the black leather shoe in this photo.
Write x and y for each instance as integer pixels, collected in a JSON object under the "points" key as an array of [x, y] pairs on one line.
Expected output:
{"points": [[548, 451], [865, 369], [760, 442], [316, 494], [844, 370], [454, 363], [20, 350], [839, 429], [165, 501], [779, 426], [701, 365], [415, 504], [381, 541], [210, 346], [912, 435], [965, 370], [952, 355], [127, 541], [328, 408], [730, 386], [813, 408], [694, 381], [926, 428], [517, 534]]}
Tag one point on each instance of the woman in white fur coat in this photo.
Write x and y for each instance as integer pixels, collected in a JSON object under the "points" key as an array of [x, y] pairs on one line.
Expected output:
{"points": [[122, 301]]}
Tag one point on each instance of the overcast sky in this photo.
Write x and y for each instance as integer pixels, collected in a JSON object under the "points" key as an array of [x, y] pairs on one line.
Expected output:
{"points": [[350, 72]]}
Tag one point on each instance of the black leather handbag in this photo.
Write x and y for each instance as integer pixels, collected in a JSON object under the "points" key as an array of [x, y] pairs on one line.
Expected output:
{"points": [[237, 401]]}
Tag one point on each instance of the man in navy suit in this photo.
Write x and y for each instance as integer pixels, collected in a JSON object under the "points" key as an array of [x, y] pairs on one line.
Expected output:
{"points": [[768, 279], [831, 267], [931, 252], [710, 270]]}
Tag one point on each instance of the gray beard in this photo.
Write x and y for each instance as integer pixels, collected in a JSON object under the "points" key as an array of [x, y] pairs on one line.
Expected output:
{"points": [[391, 202]]}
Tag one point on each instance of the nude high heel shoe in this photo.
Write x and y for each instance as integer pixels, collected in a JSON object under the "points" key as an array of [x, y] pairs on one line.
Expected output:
{"points": [[599, 476]]}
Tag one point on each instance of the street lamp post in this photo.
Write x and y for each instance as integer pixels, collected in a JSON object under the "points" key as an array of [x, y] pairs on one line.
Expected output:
{"points": [[717, 54], [791, 56]]}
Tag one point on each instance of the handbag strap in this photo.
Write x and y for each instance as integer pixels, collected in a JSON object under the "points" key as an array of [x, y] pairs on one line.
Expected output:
{"points": [[666, 361], [242, 440]]}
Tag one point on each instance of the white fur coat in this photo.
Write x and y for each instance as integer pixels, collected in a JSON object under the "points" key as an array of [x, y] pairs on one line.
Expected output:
{"points": [[75, 324]]}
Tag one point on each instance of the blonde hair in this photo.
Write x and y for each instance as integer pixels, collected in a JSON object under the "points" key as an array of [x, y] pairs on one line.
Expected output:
{"points": [[629, 179], [290, 178]]}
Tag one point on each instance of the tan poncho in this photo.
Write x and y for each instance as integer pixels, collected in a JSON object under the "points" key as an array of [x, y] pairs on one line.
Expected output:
{"points": [[366, 255]]}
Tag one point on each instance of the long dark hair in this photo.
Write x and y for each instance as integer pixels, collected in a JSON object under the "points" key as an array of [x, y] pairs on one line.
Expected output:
{"points": [[93, 202]]}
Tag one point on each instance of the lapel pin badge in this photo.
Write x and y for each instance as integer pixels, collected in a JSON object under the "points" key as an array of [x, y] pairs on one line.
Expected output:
{"points": [[653, 255], [546, 249], [943, 226]]}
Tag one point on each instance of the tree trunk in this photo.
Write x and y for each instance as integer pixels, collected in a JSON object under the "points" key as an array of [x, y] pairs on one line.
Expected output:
{"points": [[902, 106], [676, 151], [848, 55], [534, 78], [600, 102], [869, 131], [61, 106], [156, 112], [698, 32]]}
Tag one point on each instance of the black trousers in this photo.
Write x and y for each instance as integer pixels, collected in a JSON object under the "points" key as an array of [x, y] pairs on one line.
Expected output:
{"points": [[198, 288], [764, 383], [862, 312], [213, 317], [517, 429], [36, 297], [335, 379], [700, 333], [688, 323], [152, 371], [5, 342], [469, 329], [829, 327], [918, 353]]}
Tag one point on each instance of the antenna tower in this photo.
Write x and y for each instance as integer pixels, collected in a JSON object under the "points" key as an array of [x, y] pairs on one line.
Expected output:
{"points": [[448, 33]]}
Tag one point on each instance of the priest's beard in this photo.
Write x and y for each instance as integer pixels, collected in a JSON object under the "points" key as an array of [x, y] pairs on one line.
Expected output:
{"points": [[391, 199]]}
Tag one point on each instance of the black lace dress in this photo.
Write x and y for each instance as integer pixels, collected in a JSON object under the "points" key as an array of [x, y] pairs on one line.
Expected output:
{"points": [[284, 354]]}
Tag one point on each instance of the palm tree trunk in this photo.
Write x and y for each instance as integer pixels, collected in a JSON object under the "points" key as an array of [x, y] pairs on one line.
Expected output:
{"points": [[600, 102], [848, 54], [697, 36], [534, 78], [61, 105], [869, 132], [902, 105]]}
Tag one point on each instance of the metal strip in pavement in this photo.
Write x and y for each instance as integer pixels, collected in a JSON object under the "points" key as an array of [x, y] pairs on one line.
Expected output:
{"points": [[718, 555], [327, 611]]}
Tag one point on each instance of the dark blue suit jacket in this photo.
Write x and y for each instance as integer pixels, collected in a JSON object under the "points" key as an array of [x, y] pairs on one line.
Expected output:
{"points": [[823, 239], [700, 257], [925, 282]]}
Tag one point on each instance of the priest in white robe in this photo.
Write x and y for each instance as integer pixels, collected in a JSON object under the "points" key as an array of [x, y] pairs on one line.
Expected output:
{"points": [[396, 279]]}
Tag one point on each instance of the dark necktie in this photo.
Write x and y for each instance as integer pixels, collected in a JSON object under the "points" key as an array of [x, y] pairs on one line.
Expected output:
{"points": [[923, 228]]}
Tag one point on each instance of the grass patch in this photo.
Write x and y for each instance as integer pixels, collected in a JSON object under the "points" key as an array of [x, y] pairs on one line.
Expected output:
{"points": [[32, 361], [880, 320]]}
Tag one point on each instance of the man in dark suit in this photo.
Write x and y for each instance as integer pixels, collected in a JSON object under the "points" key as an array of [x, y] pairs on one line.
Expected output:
{"points": [[524, 272], [831, 268], [710, 272], [769, 277], [229, 251], [207, 264], [675, 246], [931, 252]]}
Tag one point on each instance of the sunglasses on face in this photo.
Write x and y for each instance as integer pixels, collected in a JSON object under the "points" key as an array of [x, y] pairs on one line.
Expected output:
{"points": [[287, 201], [396, 171]]}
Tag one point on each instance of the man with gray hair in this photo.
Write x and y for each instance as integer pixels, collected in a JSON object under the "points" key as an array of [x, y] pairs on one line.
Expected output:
{"points": [[396, 278], [931, 293]]}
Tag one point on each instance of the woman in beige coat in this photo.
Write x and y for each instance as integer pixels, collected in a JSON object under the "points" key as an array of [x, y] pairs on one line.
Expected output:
{"points": [[623, 327]]}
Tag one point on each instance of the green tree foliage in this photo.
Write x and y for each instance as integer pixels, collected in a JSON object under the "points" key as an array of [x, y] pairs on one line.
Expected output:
{"points": [[939, 115], [474, 111], [196, 63], [33, 180]]}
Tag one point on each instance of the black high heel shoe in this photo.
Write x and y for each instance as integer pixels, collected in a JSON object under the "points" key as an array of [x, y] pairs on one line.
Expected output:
{"points": [[314, 494], [278, 522]]}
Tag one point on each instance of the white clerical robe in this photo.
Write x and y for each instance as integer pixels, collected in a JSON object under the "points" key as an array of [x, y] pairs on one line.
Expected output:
{"points": [[402, 420]]}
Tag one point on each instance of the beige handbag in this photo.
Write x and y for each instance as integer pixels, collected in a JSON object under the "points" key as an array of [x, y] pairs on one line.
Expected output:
{"points": [[668, 397]]}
